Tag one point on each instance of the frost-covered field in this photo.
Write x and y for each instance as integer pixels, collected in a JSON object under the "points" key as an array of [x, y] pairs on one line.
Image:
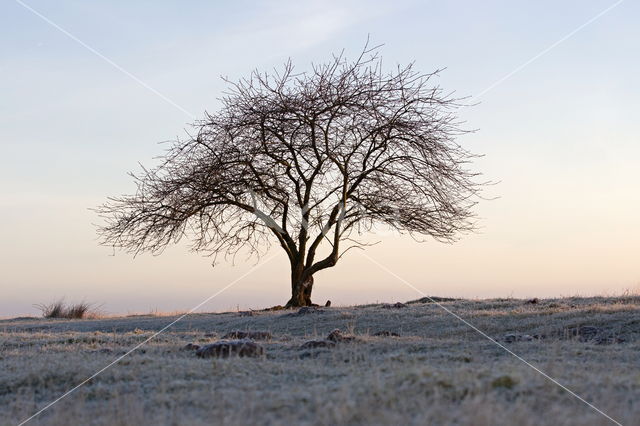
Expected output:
{"points": [[437, 371]]}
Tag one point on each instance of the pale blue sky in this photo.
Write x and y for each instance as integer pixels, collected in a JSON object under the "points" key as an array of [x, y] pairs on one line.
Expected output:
{"points": [[560, 135]]}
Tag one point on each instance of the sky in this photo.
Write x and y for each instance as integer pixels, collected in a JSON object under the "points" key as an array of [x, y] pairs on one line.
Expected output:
{"points": [[556, 121]]}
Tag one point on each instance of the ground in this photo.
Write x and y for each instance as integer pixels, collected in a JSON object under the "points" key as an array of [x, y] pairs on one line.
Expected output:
{"points": [[437, 371]]}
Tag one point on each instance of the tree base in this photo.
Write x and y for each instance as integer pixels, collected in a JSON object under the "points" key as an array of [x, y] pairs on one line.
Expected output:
{"points": [[299, 303], [301, 294]]}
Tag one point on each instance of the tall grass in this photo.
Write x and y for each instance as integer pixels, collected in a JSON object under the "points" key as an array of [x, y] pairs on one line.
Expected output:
{"points": [[73, 311]]}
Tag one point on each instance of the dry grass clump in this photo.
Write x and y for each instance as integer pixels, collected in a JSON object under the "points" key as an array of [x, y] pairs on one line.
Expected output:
{"points": [[59, 309]]}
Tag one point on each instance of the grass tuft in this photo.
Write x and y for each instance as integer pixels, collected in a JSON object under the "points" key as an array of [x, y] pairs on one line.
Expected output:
{"points": [[504, 382], [74, 311]]}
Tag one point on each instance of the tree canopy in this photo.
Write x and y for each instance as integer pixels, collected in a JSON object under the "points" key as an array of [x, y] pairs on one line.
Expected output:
{"points": [[307, 160]]}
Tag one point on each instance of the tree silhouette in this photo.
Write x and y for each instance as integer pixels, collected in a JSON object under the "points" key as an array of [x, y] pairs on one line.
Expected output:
{"points": [[311, 160]]}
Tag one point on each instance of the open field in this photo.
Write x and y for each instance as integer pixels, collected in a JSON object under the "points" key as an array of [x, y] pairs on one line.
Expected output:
{"points": [[437, 371]]}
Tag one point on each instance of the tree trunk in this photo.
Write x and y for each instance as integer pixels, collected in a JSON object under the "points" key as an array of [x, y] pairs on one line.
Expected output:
{"points": [[300, 292]]}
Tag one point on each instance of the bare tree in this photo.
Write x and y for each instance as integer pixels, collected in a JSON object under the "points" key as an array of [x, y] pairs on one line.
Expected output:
{"points": [[311, 160]]}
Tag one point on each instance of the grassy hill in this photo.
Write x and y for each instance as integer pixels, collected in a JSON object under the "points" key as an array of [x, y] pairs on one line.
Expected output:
{"points": [[437, 370]]}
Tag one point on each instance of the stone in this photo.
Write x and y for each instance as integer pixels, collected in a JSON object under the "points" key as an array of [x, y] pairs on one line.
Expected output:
{"points": [[532, 301], [510, 338], [332, 339], [252, 335], [190, 347], [326, 305], [227, 348]]}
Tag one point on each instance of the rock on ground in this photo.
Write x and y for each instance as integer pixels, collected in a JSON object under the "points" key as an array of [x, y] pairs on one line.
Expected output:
{"points": [[190, 347], [334, 337]]}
